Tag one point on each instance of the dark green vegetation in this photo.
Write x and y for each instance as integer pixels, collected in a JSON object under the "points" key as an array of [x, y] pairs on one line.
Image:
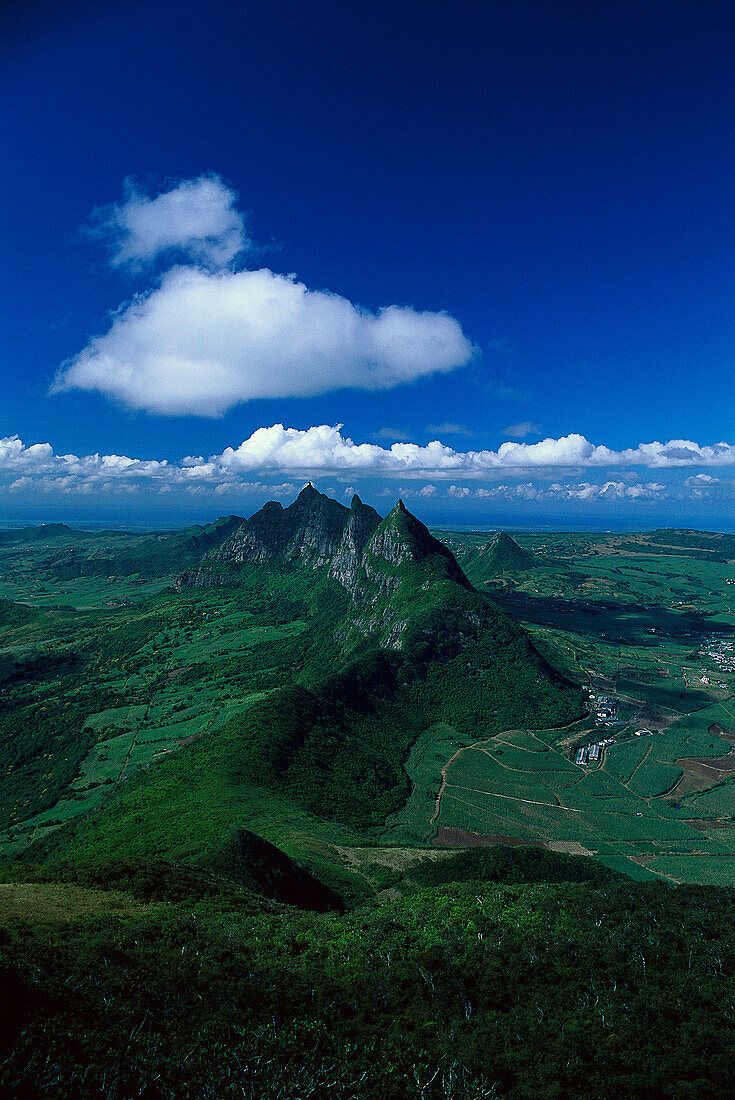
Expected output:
{"points": [[491, 556], [462, 991], [318, 707], [58, 565], [305, 655]]}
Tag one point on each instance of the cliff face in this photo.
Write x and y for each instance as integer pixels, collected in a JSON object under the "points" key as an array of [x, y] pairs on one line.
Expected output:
{"points": [[362, 523], [314, 532], [404, 573], [401, 539], [393, 568], [309, 531]]}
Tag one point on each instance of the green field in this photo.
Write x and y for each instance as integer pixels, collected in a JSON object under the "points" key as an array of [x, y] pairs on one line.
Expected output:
{"points": [[629, 616], [515, 923]]}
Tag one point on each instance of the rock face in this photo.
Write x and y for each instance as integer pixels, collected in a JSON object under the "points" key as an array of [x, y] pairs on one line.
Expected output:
{"points": [[389, 566], [315, 532], [404, 571], [402, 538], [309, 531], [362, 523]]}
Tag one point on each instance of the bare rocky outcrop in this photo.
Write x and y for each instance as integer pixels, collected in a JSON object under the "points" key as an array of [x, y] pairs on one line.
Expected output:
{"points": [[360, 528], [389, 566], [402, 538], [315, 532]]}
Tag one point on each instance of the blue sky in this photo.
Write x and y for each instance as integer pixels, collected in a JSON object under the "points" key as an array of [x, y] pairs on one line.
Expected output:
{"points": [[478, 255]]}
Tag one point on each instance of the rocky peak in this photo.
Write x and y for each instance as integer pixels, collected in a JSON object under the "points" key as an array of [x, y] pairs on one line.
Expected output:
{"points": [[358, 549], [309, 531], [359, 529], [308, 494], [401, 537]]}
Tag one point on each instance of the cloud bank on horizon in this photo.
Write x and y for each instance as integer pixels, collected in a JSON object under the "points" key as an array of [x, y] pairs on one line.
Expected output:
{"points": [[208, 335], [323, 449]]}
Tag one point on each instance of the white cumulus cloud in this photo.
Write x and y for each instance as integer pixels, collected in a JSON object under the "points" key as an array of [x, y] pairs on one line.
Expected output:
{"points": [[196, 218], [209, 335], [701, 481], [202, 342], [325, 447], [276, 455], [579, 491]]}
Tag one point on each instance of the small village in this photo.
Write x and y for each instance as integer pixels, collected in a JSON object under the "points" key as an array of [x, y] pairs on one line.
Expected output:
{"points": [[721, 652], [606, 710]]}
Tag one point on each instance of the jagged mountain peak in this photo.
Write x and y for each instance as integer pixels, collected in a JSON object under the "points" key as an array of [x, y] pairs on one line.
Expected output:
{"points": [[309, 493], [308, 532], [311, 503], [389, 566], [402, 537]]}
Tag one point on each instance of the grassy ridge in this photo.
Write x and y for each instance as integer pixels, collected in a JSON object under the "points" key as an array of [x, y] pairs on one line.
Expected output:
{"points": [[338, 746]]}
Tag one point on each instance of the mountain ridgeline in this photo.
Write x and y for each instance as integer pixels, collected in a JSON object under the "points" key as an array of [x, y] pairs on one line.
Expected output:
{"points": [[389, 567], [396, 640]]}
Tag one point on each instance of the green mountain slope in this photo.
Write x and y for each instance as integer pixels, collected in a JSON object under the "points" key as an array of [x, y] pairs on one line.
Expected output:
{"points": [[148, 556], [487, 558], [253, 734], [417, 644], [507, 555], [392, 639]]}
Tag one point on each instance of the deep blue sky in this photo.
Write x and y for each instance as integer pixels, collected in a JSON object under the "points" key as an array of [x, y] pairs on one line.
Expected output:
{"points": [[557, 177]]}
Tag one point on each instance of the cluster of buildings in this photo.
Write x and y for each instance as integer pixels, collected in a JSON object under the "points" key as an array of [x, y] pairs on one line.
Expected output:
{"points": [[592, 753], [720, 652], [607, 708]]}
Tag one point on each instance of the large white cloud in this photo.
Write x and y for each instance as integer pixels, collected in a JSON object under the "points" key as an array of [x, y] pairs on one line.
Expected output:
{"points": [[204, 341], [270, 453], [325, 447], [209, 335], [196, 217]]}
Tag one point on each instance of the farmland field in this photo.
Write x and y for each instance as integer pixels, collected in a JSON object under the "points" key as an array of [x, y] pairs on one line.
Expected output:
{"points": [[648, 620]]}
